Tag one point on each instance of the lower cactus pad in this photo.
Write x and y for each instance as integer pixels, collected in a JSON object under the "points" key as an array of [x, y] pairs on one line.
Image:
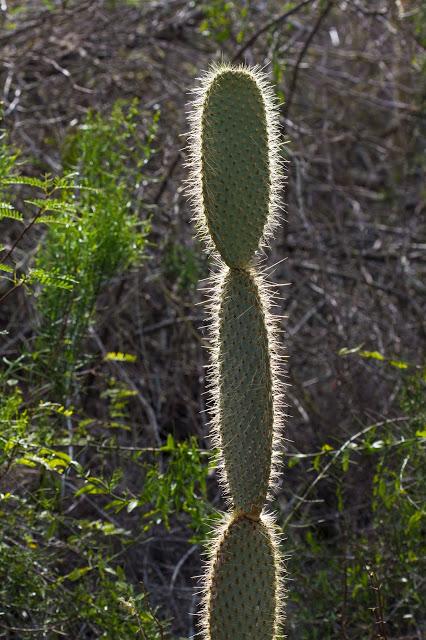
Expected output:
{"points": [[243, 585]]}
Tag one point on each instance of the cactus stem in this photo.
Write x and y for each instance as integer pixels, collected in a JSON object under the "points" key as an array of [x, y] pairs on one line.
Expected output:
{"points": [[235, 173]]}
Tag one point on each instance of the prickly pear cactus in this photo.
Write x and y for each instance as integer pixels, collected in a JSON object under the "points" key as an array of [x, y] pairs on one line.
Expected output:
{"points": [[235, 176], [245, 418]]}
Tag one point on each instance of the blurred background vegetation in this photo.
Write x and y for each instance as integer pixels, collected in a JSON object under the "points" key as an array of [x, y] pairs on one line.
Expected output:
{"points": [[107, 485]]}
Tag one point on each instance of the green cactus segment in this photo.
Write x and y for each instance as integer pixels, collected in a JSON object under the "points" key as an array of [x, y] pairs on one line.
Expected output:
{"points": [[235, 165], [243, 584], [245, 413], [235, 171]]}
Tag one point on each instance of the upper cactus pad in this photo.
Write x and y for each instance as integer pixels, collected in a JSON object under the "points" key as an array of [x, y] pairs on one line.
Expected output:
{"points": [[235, 158]]}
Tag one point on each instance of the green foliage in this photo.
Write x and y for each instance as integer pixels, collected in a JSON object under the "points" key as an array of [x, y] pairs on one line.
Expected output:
{"points": [[32, 276], [101, 234], [417, 17], [84, 582], [8, 160], [37, 595], [62, 572], [221, 16], [171, 487], [371, 564], [34, 590]]}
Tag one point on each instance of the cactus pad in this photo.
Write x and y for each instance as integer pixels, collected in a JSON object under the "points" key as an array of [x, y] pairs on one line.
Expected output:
{"points": [[236, 174], [243, 584], [245, 416]]}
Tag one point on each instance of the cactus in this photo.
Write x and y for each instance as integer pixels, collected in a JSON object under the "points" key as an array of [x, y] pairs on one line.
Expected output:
{"points": [[234, 183]]}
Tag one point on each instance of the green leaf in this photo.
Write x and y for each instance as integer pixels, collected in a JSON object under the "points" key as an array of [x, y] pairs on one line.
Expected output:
{"points": [[95, 486], [132, 505], [28, 180], [5, 267], [48, 220], [52, 204], [5, 205], [65, 412], [399, 364], [293, 461], [373, 355], [316, 462], [8, 211], [27, 462], [57, 464], [76, 574], [118, 356], [345, 460], [45, 453], [51, 278], [170, 444], [414, 519], [346, 351], [117, 504]]}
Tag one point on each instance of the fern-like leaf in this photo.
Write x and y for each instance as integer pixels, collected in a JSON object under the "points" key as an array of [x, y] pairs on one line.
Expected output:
{"points": [[8, 211], [51, 279], [50, 220], [39, 183], [52, 204]]}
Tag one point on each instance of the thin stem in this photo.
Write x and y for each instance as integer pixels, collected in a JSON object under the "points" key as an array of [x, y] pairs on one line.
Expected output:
{"points": [[269, 25], [302, 53]]}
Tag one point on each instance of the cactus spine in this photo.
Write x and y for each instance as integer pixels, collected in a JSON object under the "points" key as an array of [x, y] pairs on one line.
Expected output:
{"points": [[235, 175]]}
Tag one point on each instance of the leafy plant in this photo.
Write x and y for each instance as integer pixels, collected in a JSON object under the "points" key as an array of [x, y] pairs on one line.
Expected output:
{"points": [[62, 570], [362, 572], [99, 233], [84, 583]]}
